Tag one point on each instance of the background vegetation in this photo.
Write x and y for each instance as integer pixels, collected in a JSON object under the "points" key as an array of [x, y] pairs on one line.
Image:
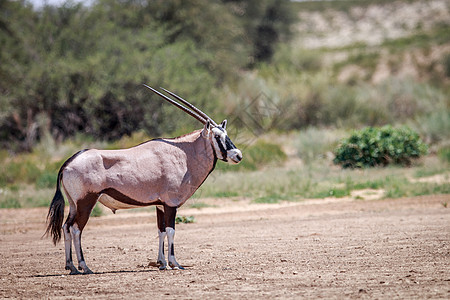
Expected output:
{"points": [[74, 69], [294, 79]]}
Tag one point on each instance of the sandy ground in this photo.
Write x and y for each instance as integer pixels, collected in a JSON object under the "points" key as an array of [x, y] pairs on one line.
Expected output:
{"points": [[379, 249]]}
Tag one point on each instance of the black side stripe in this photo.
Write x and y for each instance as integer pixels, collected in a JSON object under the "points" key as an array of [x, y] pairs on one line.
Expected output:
{"points": [[115, 194]]}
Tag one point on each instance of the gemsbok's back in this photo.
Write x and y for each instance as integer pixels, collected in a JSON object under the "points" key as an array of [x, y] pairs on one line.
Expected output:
{"points": [[161, 172]]}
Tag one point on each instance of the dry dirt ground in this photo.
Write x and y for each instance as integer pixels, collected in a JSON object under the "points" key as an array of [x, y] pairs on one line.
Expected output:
{"points": [[380, 249]]}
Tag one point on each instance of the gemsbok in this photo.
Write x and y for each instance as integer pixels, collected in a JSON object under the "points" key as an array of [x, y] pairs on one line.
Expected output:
{"points": [[162, 172]]}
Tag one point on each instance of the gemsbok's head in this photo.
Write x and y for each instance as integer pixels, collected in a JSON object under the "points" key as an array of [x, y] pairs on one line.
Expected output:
{"points": [[223, 147]]}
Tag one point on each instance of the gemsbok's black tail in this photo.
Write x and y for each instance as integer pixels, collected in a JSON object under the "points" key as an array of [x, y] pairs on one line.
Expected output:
{"points": [[55, 214]]}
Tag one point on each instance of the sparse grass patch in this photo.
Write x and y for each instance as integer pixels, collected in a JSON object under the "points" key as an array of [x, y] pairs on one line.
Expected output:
{"points": [[364, 59], [371, 184], [271, 199], [200, 205], [314, 143], [47, 179], [37, 201], [332, 192], [25, 196], [421, 39], [19, 171], [319, 180], [434, 127], [444, 154], [226, 194], [10, 202], [426, 172]]}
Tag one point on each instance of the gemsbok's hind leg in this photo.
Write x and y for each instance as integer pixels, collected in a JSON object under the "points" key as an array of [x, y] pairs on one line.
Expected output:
{"points": [[84, 208], [68, 238], [68, 248]]}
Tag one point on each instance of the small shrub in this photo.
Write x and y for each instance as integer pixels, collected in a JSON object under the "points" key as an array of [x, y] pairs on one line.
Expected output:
{"points": [[184, 219], [372, 146]]}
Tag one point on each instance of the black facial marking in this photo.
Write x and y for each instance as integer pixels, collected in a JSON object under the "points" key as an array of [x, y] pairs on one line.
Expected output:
{"points": [[222, 149], [229, 144]]}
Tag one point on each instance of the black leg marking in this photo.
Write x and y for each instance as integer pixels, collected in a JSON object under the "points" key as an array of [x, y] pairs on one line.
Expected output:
{"points": [[172, 251], [169, 216], [69, 260], [160, 220], [81, 250]]}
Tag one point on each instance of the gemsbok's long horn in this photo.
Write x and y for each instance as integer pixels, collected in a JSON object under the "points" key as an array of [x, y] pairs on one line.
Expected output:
{"points": [[183, 108], [198, 111]]}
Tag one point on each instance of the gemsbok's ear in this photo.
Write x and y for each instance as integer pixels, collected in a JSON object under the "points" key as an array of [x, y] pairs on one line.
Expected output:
{"points": [[207, 129], [224, 124]]}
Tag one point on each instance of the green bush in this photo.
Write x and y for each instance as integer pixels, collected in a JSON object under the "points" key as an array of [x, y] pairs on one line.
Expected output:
{"points": [[373, 146]]}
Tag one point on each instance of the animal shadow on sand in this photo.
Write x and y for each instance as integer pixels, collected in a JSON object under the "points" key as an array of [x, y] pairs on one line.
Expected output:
{"points": [[151, 264]]}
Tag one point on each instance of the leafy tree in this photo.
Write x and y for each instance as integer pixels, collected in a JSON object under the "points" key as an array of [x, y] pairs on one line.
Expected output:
{"points": [[74, 68]]}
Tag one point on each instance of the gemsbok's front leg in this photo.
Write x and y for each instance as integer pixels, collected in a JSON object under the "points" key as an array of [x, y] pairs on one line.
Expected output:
{"points": [[162, 236], [169, 218], [166, 227]]}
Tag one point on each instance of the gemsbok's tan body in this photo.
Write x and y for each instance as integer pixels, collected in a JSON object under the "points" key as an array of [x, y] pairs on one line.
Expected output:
{"points": [[161, 172]]}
